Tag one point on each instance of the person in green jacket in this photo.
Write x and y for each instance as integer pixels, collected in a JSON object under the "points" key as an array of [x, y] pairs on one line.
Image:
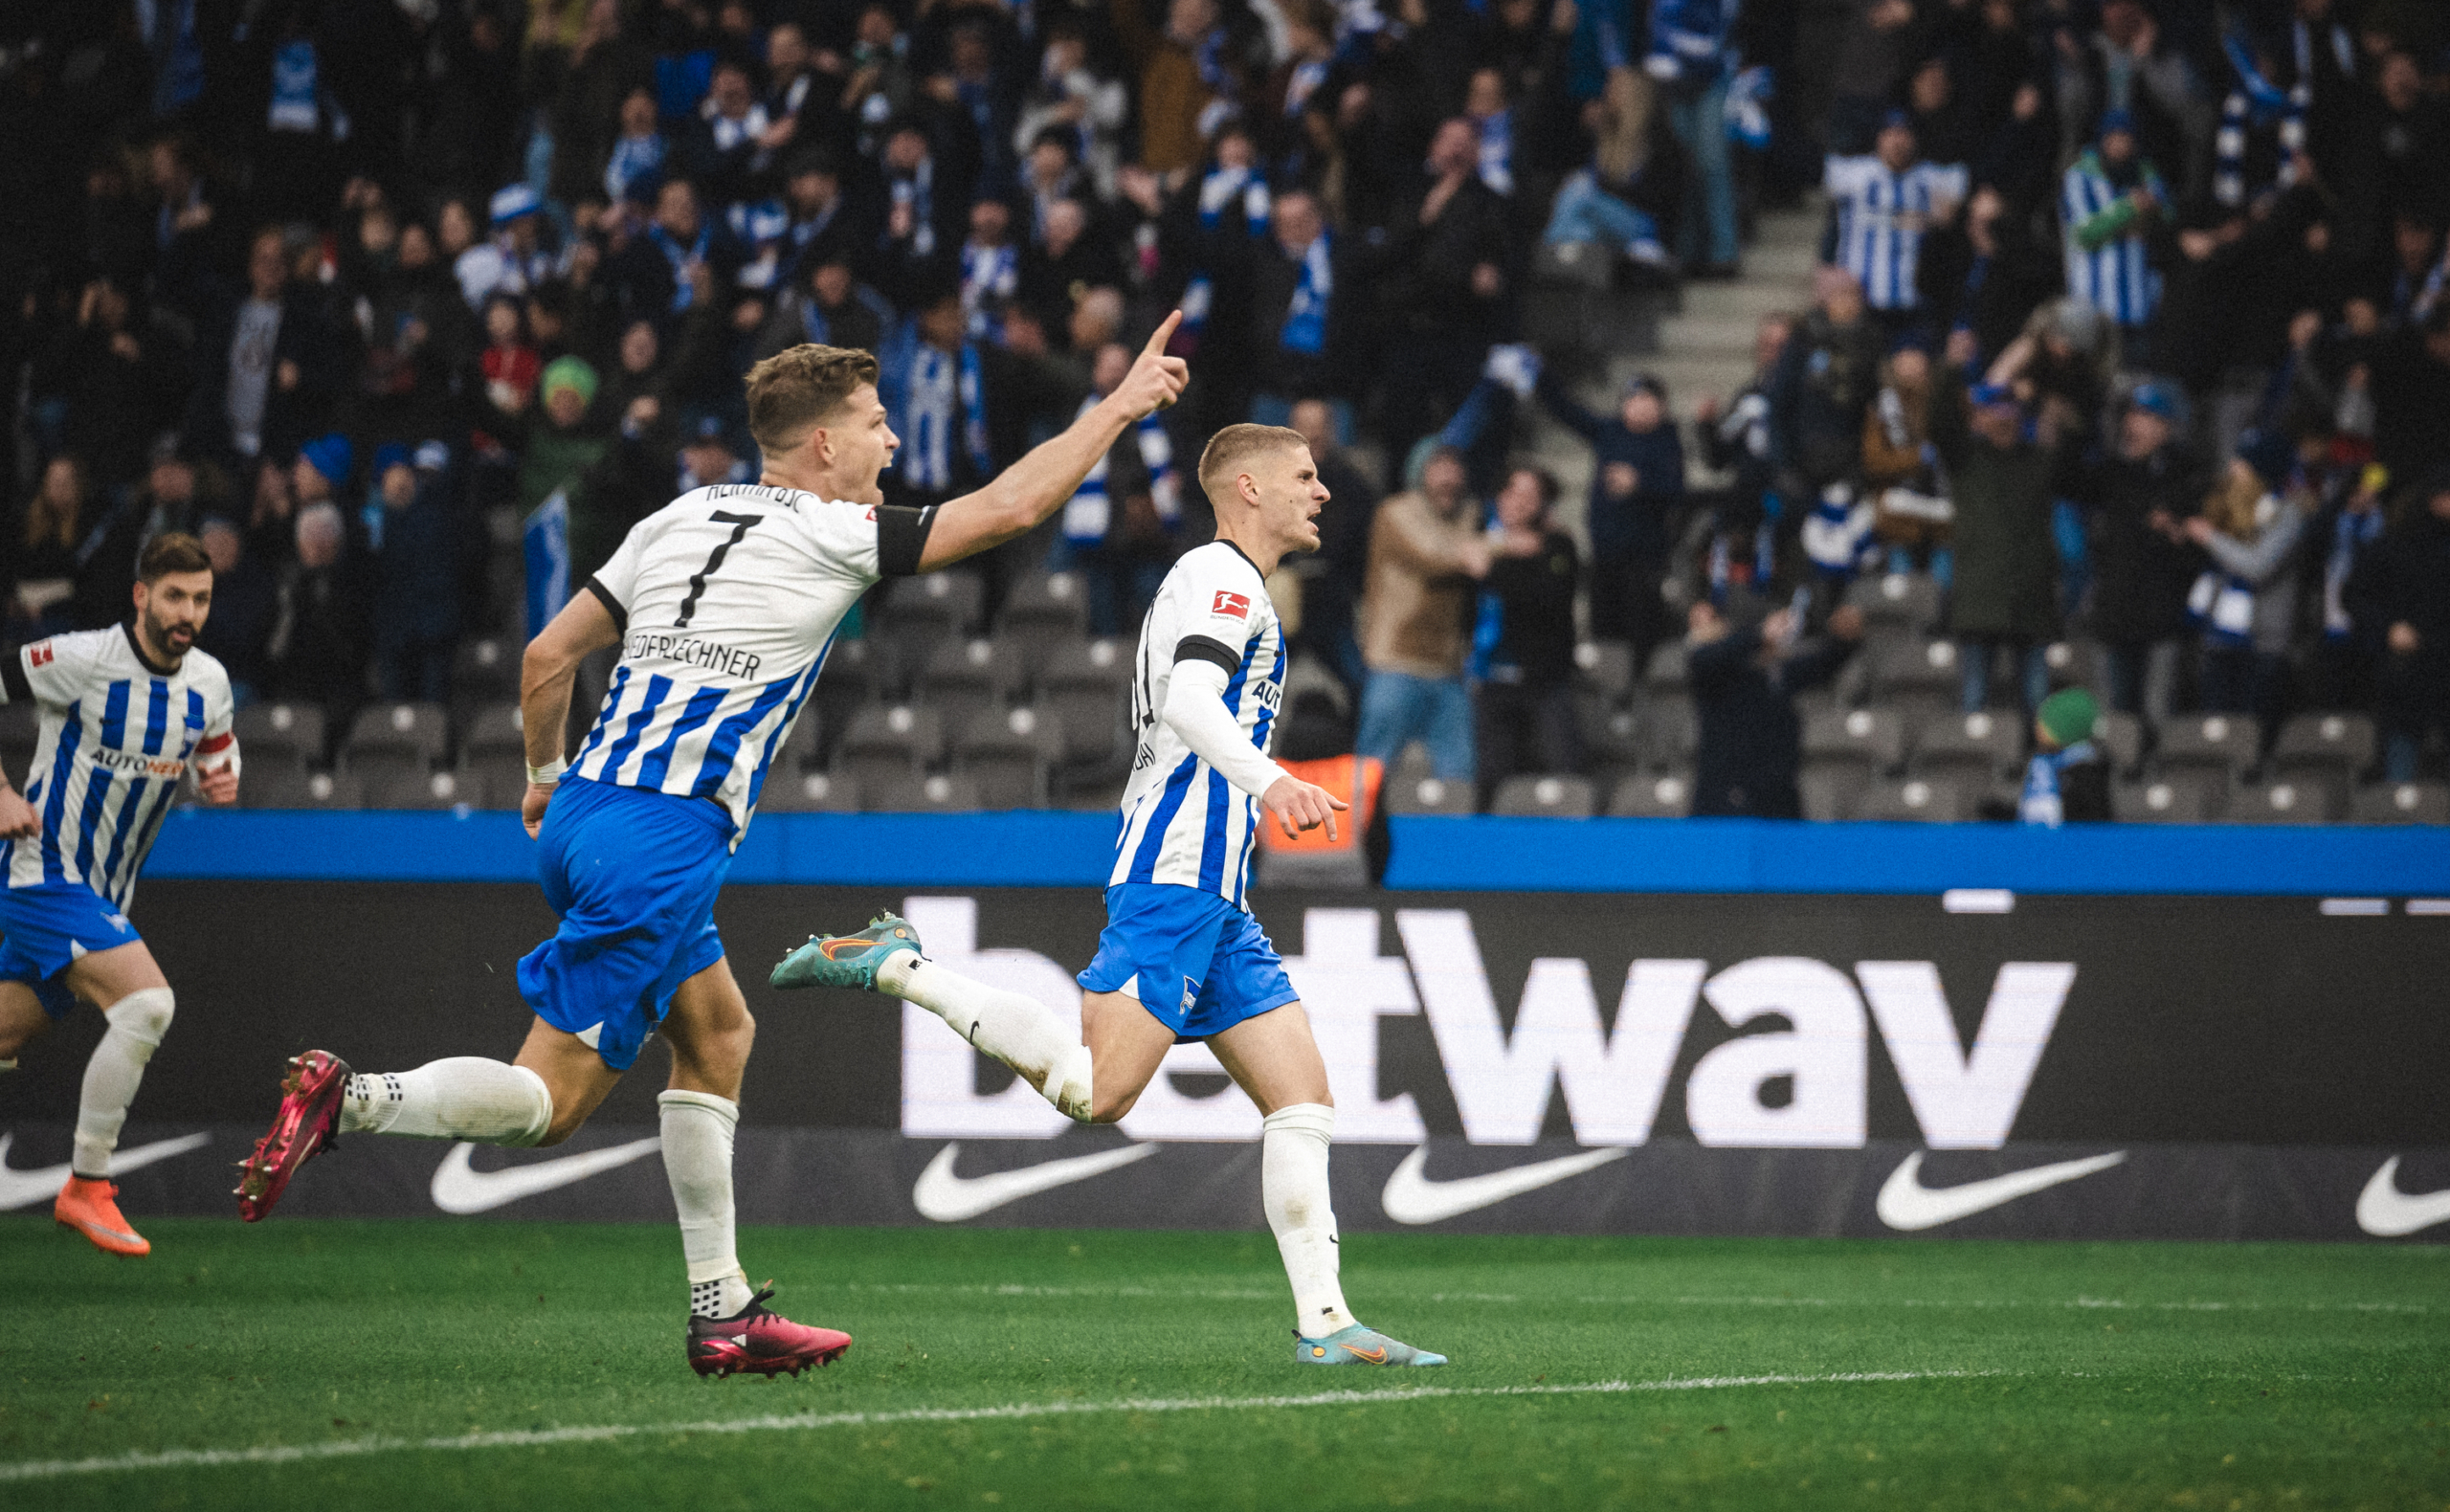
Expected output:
{"points": [[2004, 597]]}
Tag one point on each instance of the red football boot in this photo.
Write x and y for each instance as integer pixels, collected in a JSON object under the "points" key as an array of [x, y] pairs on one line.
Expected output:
{"points": [[91, 1208], [757, 1341], [307, 1124]]}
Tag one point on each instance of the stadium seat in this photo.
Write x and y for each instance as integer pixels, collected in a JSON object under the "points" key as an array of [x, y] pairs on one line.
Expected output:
{"points": [[1604, 667], [2220, 743], [1974, 747], [1423, 794], [2403, 803], [937, 794], [492, 731], [2341, 745], [1874, 739], [854, 678], [503, 779], [434, 789], [804, 747], [1043, 613], [1666, 674], [1611, 735], [2121, 738], [1909, 600], [917, 613], [20, 732], [1086, 685], [279, 734], [1670, 732], [391, 740], [1669, 796], [885, 743], [1010, 753], [793, 792], [1830, 787], [485, 669], [1917, 679], [1545, 798], [968, 677], [2302, 800], [1934, 800], [296, 788], [2173, 798]]}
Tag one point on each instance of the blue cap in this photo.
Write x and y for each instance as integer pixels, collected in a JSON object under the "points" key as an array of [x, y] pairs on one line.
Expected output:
{"points": [[1897, 119], [2118, 118], [710, 428], [511, 202], [432, 457], [2159, 399], [1986, 394], [330, 455], [389, 456]]}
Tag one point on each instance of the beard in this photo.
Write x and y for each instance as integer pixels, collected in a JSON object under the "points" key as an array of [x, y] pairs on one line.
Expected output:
{"points": [[174, 637]]}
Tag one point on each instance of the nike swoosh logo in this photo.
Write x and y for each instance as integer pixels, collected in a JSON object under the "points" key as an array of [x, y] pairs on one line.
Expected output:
{"points": [[1411, 1197], [943, 1197], [23, 1189], [2386, 1212], [460, 1187], [1905, 1203]]}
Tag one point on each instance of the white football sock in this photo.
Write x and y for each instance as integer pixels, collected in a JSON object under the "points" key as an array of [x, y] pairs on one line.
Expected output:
{"points": [[1293, 1188], [697, 1160], [1020, 1031], [464, 1098], [137, 1022]]}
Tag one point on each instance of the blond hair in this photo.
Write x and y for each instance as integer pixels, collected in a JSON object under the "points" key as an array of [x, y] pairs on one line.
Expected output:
{"points": [[796, 388], [1230, 450], [2233, 503]]}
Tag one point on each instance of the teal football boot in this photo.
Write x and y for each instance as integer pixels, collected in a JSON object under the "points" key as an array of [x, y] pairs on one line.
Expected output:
{"points": [[847, 959], [1359, 1345]]}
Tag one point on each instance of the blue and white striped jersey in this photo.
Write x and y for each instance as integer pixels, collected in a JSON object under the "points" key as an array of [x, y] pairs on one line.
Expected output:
{"points": [[117, 734], [2117, 277], [1182, 823], [1882, 216], [727, 599]]}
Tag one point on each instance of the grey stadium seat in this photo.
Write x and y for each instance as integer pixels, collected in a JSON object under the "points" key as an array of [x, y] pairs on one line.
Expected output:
{"points": [[1666, 671], [1010, 754], [391, 739], [436, 789], [1977, 746], [494, 730], [854, 678], [1545, 798], [1087, 685], [296, 788], [938, 794], [1916, 800], [1830, 789], [2286, 800], [917, 613], [1669, 796], [485, 668], [2170, 798], [794, 792], [968, 677], [884, 743], [2121, 738], [2222, 743], [20, 732], [1604, 667], [1908, 599], [2336, 743], [1422, 795], [1611, 735], [1917, 678], [1670, 734], [1874, 739], [279, 734], [2403, 803], [1043, 613]]}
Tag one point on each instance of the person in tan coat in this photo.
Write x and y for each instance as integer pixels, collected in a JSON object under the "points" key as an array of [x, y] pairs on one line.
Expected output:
{"points": [[1427, 554], [1184, 70]]}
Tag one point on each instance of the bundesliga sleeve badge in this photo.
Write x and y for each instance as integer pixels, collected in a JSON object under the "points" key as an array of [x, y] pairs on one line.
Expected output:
{"points": [[1237, 606]]}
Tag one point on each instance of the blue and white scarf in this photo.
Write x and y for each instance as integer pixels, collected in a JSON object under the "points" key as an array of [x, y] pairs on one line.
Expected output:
{"points": [[918, 192], [2041, 803], [2350, 534], [1222, 187], [634, 159], [1306, 315], [682, 295], [937, 384], [1497, 151], [1089, 513], [990, 277], [294, 87]]}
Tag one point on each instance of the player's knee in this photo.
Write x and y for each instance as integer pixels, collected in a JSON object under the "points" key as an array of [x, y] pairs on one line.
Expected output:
{"points": [[144, 1016], [562, 1126], [1109, 1108]]}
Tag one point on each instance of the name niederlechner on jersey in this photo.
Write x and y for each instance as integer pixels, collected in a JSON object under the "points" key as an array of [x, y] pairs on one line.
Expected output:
{"points": [[727, 599]]}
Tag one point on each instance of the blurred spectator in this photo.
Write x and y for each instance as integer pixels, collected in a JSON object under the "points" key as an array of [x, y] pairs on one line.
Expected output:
{"points": [[2414, 593], [1442, 280], [1425, 553], [1639, 480], [2001, 468], [1888, 203], [828, 306], [1523, 643], [1118, 529], [2112, 200], [1826, 379], [414, 564], [122, 375], [2250, 527], [265, 366], [639, 153], [1334, 576], [317, 647], [1745, 678], [2143, 564], [61, 578], [1689, 56], [2066, 781], [1736, 436], [1596, 201], [1902, 477], [1304, 294], [245, 602], [1188, 77]]}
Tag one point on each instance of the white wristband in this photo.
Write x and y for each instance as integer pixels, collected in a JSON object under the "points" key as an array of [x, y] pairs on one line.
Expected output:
{"points": [[547, 775]]}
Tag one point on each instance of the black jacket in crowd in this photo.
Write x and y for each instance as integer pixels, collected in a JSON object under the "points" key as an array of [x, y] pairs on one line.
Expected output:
{"points": [[1751, 739]]}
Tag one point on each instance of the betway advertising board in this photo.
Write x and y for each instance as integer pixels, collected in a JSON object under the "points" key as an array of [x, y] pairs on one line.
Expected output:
{"points": [[1582, 1063]]}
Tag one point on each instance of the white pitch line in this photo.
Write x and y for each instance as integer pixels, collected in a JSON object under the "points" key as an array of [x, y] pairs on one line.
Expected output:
{"points": [[1262, 1295], [801, 1422]]}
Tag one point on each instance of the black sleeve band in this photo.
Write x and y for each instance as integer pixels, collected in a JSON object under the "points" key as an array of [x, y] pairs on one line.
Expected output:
{"points": [[1200, 648], [13, 675], [902, 538], [611, 605]]}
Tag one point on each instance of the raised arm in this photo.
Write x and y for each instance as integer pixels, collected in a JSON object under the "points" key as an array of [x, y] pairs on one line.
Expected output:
{"points": [[586, 624], [1037, 486]]}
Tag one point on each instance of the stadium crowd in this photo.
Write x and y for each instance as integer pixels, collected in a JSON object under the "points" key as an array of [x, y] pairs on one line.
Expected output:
{"points": [[2130, 331]]}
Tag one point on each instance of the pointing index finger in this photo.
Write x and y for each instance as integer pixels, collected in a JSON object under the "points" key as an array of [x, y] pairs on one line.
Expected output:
{"points": [[1165, 333]]}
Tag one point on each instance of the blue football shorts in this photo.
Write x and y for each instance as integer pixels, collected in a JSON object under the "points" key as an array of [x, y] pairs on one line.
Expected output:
{"points": [[45, 928], [633, 874], [1197, 962]]}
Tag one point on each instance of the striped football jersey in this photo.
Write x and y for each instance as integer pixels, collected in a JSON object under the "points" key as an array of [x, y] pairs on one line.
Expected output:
{"points": [[117, 733], [1182, 823], [727, 599]]}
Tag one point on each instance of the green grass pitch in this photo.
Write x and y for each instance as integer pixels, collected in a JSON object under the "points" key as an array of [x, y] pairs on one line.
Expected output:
{"points": [[2041, 1375]]}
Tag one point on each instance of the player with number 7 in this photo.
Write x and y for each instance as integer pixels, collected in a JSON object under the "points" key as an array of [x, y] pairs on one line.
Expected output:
{"points": [[723, 603]]}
